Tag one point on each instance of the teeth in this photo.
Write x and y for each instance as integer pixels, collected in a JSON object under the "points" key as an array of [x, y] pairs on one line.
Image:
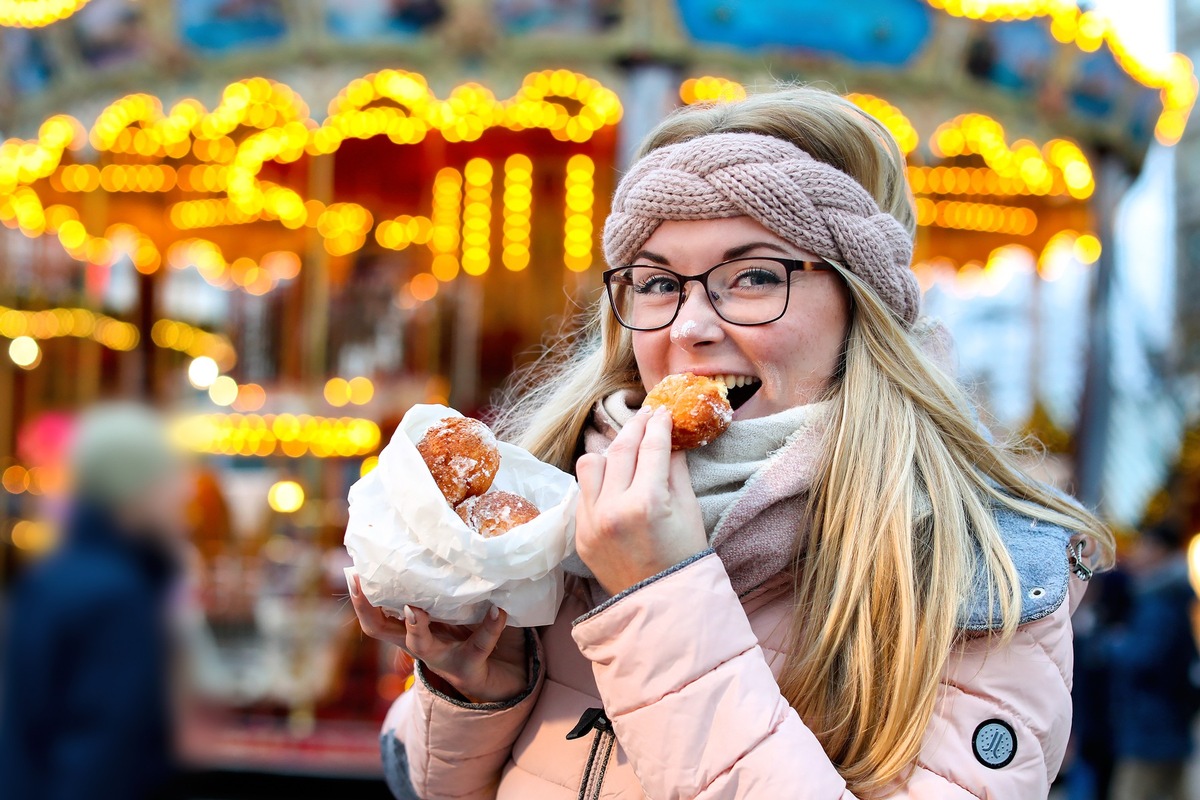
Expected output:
{"points": [[734, 381]]}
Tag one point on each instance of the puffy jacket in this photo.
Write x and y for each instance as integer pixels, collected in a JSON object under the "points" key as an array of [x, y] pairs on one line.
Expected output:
{"points": [[685, 674]]}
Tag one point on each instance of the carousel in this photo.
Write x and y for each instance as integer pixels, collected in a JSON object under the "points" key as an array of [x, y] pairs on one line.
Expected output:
{"points": [[288, 222]]}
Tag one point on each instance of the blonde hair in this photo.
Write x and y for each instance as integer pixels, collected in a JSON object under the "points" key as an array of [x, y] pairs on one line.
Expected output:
{"points": [[899, 513]]}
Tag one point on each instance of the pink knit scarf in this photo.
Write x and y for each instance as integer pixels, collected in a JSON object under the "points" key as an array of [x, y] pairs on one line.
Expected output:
{"points": [[754, 526]]}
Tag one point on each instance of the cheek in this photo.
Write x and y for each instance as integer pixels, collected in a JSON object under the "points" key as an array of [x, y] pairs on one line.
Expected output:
{"points": [[650, 351], [804, 344]]}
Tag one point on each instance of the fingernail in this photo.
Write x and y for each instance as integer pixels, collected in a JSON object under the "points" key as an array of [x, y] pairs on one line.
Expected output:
{"points": [[662, 411], [646, 410], [409, 617], [494, 613]]}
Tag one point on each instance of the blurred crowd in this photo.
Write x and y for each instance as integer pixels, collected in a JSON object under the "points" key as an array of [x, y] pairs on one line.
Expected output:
{"points": [[1137, 677]]}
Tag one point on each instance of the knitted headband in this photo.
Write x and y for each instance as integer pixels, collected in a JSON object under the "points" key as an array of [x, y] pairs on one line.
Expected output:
{"points": [[807, 202]]}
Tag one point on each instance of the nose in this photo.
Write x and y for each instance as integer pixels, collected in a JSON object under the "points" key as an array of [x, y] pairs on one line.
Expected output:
{"points": [[697, 323]]}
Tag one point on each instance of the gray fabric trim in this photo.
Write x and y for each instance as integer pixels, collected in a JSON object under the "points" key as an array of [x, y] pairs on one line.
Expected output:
{"points": [[395, 767], [535, 671], [623, 594], [1039, 553]]}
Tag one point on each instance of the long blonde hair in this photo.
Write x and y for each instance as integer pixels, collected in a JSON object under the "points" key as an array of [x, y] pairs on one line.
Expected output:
{"points": [[899, 513]]}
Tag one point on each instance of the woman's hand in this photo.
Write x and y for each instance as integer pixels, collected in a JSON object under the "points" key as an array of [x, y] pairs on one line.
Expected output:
{"points": [[637, 513], [485, 663]]}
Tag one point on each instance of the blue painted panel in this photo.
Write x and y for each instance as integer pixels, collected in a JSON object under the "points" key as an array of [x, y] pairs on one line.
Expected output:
{"points": [[1099, 82], [888, 32], [1022, 53], [219, 25]]}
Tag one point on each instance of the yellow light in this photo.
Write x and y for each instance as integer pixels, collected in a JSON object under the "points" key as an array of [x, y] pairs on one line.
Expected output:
{"points": [[477, 216], [223, 391], [24, 352], [337, 392], [35, 537], [202, 372], [1087, 249], [36, 13], [710, 89], [361, 390], [15, 479], [369, 463], [250, 397], [577, 228], [891, 117], [1193, 558], [285, 497], [518, 195], [423, 287]]}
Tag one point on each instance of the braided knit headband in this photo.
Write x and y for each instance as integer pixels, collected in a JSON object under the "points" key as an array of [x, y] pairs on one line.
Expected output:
{"points": [[807, 202]]}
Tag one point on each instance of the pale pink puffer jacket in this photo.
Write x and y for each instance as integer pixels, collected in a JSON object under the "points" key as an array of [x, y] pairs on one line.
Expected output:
{"points": [[685, 671]]}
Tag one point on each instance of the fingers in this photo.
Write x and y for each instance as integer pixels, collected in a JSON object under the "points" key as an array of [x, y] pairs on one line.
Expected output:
{"points": [[484, 640], [419, 640], [589, 471], [654, 453], [679, 479], [374, 622], [622, 455]]}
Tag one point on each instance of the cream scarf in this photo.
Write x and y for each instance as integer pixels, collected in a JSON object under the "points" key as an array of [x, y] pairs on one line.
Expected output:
{"points": [[751, 483]]}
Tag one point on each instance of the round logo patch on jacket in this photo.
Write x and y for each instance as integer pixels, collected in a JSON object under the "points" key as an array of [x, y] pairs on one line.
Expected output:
{"points": [[994, 743]]}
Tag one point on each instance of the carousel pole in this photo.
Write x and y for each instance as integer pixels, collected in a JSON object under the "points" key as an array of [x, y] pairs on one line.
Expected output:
{"points": [[147, 352], [1091, 439], [316, 279]]}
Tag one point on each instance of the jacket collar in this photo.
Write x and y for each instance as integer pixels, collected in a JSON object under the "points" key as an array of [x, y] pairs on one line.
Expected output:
{"points": [[1039, 553]]}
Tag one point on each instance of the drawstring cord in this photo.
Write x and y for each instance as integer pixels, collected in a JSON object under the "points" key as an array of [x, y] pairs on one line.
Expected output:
{"points": [[605, 739]]}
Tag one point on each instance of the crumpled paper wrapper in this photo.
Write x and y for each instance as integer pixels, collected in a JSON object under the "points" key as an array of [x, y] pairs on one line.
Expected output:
{"points": [[410, 548]]}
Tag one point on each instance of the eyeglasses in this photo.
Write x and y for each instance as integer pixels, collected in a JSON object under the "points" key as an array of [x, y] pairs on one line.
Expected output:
{"points": [[743, 291]]}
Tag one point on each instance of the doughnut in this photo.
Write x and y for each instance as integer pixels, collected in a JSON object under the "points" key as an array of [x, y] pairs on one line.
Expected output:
{"points": [[700, 410], [462, 456], [496, 513]]}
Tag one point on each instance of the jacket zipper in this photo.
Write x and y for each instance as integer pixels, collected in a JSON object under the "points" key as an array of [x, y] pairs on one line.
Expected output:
{"points": [[602, 745]]}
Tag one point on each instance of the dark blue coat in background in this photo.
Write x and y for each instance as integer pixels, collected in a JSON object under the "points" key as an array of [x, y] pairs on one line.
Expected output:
{"points": [[84, 708], [1154, 699]]}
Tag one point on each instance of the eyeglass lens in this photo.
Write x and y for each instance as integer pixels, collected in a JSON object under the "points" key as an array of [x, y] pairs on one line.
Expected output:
{"points": [[744, 292]]}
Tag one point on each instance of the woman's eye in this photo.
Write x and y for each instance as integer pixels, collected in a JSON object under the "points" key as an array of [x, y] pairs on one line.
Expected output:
{"points": [[658, 284], [757, 277]]}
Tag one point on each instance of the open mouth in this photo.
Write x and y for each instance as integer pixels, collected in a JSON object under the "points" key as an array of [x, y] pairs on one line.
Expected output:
{"points": [[740, 388]]}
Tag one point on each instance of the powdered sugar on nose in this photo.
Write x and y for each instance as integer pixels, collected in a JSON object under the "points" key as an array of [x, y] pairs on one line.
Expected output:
{"points": [[683, 330]]}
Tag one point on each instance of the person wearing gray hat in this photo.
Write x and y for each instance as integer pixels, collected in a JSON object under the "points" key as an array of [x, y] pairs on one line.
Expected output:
{"points": [[84, 703]]}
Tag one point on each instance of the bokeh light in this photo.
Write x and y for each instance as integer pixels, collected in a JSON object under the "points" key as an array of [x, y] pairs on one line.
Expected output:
{"points": [[285, 497]]}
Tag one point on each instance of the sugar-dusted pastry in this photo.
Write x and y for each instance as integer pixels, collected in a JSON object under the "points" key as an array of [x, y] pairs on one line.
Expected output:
{"points": [[700, 410], [462, 456], [496, 513]]}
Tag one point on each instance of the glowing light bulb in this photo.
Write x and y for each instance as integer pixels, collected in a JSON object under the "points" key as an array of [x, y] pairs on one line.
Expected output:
{"points": [[202, 372], [285, 497]]}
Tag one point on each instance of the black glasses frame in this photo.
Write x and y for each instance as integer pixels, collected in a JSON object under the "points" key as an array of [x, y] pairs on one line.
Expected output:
{"points": [[789, 264]]}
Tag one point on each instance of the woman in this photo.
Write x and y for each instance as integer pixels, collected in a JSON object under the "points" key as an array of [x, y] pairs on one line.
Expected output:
{"points": [[851, 593]]}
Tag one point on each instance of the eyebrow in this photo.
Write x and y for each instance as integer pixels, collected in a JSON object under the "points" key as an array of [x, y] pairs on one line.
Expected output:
{"points": [[733, 252]]}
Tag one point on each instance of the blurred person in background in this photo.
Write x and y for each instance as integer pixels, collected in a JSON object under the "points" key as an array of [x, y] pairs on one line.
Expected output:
{"points": [[1152, 661], [1105, 607], [84, 709]]}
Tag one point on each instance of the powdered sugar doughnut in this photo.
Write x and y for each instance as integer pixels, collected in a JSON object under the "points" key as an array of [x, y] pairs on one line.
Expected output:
{"points": [[700, 410], [462, 456], [495, 513]]}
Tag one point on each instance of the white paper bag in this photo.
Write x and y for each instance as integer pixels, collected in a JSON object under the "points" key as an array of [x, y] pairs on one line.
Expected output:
{"points": [[410, 547]]}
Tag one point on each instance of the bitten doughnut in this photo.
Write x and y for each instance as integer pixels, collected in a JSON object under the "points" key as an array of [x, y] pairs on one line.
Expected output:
{"points": [[462, 456], [496, 513], [700, 410]]}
